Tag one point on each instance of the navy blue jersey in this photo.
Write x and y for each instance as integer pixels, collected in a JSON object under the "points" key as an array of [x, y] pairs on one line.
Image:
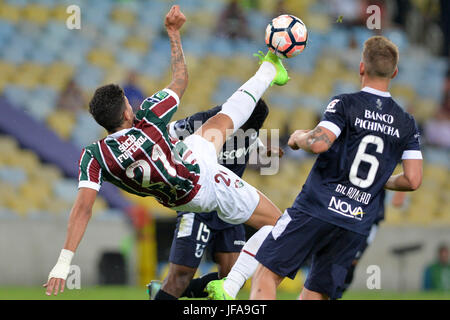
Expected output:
{"points": [[346, 184], [236, 150]]}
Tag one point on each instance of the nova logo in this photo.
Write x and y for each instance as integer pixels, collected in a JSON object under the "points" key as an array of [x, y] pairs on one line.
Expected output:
{"points": [[345, 209]]}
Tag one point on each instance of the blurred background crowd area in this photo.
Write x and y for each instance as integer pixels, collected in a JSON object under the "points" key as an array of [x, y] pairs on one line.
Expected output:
{"points": [[49, 72]]}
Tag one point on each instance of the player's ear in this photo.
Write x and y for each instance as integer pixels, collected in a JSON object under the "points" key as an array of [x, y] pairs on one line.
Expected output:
{"points": [[361, 68], [128, 113], [395, 73]]}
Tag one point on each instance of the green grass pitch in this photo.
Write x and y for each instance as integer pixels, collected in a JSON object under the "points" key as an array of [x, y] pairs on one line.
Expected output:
{"points": [[136, 293]]}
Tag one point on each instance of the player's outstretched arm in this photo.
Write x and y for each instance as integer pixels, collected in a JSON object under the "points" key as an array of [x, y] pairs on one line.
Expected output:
{"points": [[78, 221], [315, 141], [174, 21], [410, 179]]}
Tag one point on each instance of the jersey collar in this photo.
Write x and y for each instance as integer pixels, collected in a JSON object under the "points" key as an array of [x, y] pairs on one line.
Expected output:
{"points": [[376, 92], [117, 134]]}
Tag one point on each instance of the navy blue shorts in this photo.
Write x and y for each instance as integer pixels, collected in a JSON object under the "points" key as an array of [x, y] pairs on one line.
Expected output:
{"points": [[192, 237], [299, 236]]}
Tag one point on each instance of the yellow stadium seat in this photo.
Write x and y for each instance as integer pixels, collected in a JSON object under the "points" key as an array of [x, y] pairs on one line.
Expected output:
{"points": [[46, 172], [10, 12], [403, 91], [277, 118], [123, 16], [57, 206], [7, 69], [148, 85], [27, 160], [62, 122], [37, 193], [99, 205], [136, 44], [59, 13], [36, 14], [101, 58], [115, 74], [302, 118]]}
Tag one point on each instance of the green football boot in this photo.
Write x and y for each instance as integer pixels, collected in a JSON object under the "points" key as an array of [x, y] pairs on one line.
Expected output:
{"points": [[216, 291], [153, 288], [282, 76]]}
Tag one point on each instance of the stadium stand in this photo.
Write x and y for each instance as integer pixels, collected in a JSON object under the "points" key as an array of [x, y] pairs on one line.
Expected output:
{"points": [[39, 56]]}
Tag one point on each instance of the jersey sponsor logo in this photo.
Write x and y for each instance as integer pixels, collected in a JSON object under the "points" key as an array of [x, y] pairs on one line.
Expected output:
{"points": [[344, 208], [370, 123], [239, 243], [331, 106], [130, 146]]}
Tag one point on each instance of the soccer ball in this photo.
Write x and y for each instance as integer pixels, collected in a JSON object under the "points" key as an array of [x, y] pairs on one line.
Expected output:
{"points": [[286, 36]]}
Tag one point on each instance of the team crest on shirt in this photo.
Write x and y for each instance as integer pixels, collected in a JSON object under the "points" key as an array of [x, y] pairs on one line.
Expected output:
{"points": [[161, 95], [379, 104], [331, 106]]}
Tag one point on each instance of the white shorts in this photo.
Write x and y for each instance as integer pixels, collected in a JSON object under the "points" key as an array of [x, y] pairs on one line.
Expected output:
{"points": [[221, 189]]}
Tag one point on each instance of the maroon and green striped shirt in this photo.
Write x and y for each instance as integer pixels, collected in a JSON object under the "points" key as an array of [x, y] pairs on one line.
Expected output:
{"points": [[144, 160]]}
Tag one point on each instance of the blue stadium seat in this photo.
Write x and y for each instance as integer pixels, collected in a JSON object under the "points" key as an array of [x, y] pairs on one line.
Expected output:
{"points": [[13, 176]]}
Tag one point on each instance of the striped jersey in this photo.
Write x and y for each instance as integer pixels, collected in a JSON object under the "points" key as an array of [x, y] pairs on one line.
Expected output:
{"points": [[144, 160]]}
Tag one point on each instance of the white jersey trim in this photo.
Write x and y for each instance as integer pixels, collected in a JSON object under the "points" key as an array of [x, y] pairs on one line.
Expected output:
{"points": [[330, 126], [173, 94], [88, 184], [412, 154], [376, 92]]}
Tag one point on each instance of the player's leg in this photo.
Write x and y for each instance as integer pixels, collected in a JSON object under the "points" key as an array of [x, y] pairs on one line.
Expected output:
{"points": [[224, 247], [190, 240], [307, 294], [358, 256], [264, 284], [176, 282], [330, 264], [292, 240], [266, 213], [242, 270], [225, 261], [238, 108]]}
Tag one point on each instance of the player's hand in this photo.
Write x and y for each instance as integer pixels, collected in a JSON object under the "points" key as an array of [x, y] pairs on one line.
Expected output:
{"points": [[57, 277], [398, 199], [292, 142], [54, 285], [275, 152], [174, 19]]}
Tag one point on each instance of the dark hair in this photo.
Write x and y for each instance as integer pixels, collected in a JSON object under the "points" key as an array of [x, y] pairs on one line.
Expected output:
{"points": [[107, 106]]}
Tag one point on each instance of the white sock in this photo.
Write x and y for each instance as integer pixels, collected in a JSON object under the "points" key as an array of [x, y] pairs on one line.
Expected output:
{"points": [[246, 264], [240, 105]]}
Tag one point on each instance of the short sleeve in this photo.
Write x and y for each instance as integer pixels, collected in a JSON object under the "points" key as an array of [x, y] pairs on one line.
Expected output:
{"points": [[334, 118], [412, 147], [161, 105], [90, 172]]}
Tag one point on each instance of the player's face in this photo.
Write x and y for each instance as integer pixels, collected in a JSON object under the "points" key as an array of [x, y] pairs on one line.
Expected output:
{"points": [[128, 113]]}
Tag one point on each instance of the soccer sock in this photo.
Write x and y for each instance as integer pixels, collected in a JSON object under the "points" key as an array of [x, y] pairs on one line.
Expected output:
{"points": [[162, 295], [196, 287], [240, 105], [246, 264]]}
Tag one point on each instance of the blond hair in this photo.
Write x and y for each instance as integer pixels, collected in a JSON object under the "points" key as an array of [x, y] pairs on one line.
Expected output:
{"points": [[380, 57]]}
